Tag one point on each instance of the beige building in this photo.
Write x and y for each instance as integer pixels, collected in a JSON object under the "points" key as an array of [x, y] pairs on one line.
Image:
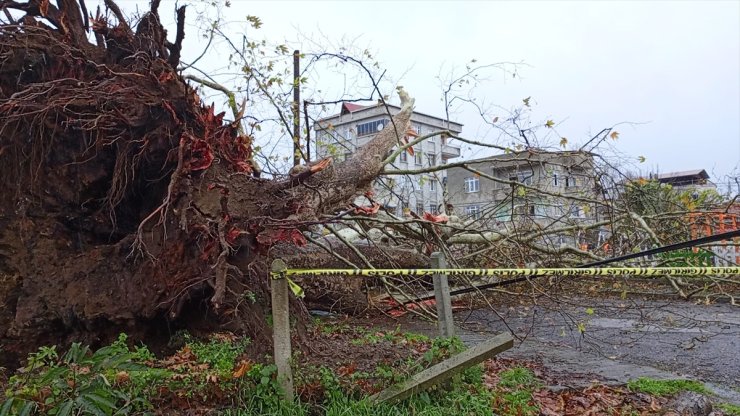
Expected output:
{"points": [[502, 194], [342, 134]]}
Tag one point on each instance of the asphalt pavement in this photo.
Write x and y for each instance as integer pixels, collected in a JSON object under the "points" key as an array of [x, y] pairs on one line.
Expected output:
{"points": [[619, 340]]}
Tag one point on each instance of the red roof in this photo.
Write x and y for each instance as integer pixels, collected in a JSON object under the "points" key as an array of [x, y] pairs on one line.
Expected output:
{"points": [[351, 108]]}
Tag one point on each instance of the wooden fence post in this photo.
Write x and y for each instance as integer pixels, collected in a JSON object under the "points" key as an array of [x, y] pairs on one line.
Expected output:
{"points": [[442, 297], [281, 328], [445, 370]]}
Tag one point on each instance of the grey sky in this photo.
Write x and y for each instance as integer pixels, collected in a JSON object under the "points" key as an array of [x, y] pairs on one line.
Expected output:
{"points": [[672, 66]]}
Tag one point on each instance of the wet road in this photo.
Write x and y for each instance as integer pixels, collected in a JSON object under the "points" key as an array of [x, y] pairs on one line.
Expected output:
{"points": [[619, 340]]}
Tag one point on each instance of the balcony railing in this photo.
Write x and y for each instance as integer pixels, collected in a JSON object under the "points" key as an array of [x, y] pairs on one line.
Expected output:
{"points": [[449, 152]]}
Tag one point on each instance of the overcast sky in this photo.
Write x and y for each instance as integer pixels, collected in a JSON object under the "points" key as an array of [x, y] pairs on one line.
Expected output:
{"points": [[671, 67]]}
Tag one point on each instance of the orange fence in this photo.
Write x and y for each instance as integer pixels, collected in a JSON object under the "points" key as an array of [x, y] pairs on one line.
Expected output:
{"points": [[703, 224]]}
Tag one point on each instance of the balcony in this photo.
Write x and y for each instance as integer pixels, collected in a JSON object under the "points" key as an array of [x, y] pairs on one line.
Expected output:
{"points": [[450, 152]]}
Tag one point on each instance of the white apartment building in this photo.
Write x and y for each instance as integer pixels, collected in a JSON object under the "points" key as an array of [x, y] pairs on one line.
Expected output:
{"points": [[341, 135]]}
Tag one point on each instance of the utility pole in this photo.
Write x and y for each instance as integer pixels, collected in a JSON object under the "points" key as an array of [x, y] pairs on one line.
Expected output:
{"points": [[296, 108], [308, 131]]}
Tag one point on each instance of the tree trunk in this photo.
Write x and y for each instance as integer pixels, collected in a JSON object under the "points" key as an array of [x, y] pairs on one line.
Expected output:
{"points": [[127, 203]]}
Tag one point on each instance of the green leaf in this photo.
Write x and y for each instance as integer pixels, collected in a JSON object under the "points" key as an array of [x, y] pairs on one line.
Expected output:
{"points": [[114, 362], [27, 409], [101, 401], [581, 327], [89, 406], [54, 373], [641, 159], [65, 409], [589, 311], [5, 410], [549, 124], [75, 353]]}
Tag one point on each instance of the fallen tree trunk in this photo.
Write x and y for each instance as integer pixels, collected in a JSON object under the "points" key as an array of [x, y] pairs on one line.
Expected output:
{"points": [[346, 294], [128, 203]]}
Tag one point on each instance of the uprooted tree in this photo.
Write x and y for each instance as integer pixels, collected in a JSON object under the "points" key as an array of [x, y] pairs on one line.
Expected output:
{"points": [[126, 200], [129, 204]]}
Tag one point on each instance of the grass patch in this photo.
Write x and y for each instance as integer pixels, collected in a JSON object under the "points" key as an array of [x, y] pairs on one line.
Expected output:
{"points": [[452, 403], [455, 402], [666, 387], [371, 336], [515, 388], [729, 409], [519, 377], [214, 373], [219, 354]]}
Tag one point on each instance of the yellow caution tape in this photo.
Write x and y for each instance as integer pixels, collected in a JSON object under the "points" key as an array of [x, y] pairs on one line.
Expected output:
{"points": [[297, 290], [604, 271]]}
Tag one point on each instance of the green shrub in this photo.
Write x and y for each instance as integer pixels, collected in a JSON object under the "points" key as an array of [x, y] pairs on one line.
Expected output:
{"points": [[219, 354], [111, 380]]}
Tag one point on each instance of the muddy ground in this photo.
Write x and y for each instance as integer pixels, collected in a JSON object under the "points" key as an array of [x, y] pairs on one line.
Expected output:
{"points": [[617, 340]]}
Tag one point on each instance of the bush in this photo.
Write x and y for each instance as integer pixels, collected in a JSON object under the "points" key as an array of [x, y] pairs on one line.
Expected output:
{"points": [[113, 379]]}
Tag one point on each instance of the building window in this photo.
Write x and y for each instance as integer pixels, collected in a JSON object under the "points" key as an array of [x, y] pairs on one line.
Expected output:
{"points": [[417, 156], [576, 212], [371, 127], [570, 182], [524, 178], [432, 184], [554, 179], [472, 184], [472, 211], [529, 210], [416, 127], [404, 207], [562, 241], [404, 156], [419, 208], [558, 209], [432, 159], [433, 208], [347, 155]]}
